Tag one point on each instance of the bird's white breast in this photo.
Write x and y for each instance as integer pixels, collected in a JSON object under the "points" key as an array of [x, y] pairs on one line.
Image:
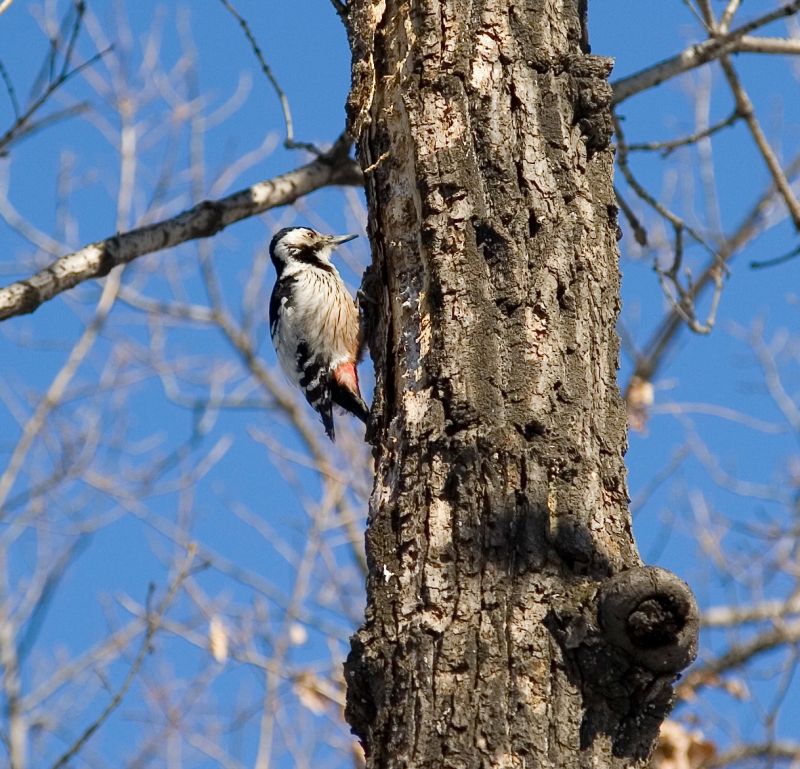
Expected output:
{"points": [[320, 313]]}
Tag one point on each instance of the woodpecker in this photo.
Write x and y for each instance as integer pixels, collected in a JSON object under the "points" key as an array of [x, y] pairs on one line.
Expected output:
{"points": [[313, 321]]}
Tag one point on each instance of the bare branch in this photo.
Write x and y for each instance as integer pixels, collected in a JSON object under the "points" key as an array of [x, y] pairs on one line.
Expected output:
{"points": [[767, 752], [775, 45], [707, 17], [728, 616], [203, 220], [728, 14], [749, 228], [12, 94], [34, 126], [289, 142], [695, 56], [153, 623], [745, 107], [56, 390], [776, 260], [22, 120], [773, 380], [739, 655], [639, 232], [680, 296], [80, 10], [668, 146]]}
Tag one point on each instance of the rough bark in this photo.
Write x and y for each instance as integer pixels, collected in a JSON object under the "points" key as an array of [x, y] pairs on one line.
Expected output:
{"points": [[509, 619]]}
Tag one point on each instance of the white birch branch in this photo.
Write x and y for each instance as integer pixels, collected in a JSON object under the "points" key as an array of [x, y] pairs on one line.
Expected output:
{"points": [[728, 14], [204, 220], [776, 45], [697, 55]]}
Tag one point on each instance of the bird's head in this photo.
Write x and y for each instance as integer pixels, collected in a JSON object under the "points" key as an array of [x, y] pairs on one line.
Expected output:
{"points": [[302, 245]]}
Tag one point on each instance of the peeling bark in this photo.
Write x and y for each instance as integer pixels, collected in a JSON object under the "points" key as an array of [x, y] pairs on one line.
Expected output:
{"points": [[499, 511]]}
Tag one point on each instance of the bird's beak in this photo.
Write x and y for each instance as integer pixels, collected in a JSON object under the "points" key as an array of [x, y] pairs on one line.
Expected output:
{"points": [[337, 240]]}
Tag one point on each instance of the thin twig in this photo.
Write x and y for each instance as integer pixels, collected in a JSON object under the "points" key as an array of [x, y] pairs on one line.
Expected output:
{"points": [[289, 142], [681, 297], [669, 146], [745, 107], [661, 340], [153, 623], [639, 232], [67, 30], [757, 265], [38, 419], [624, 167], [664, 474], [11, 133], [12, 94], [773, 380], [80, 10], [33, 127]]}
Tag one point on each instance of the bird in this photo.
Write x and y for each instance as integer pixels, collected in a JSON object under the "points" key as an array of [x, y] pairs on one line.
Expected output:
{"points": [[314, 323]]}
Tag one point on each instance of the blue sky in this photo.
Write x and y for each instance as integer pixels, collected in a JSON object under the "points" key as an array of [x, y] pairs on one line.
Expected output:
{"points": [[307, 50]]}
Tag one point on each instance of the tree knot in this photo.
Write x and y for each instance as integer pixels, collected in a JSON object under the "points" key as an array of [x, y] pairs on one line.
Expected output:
{"points": [[651, 614], [626, 646]]}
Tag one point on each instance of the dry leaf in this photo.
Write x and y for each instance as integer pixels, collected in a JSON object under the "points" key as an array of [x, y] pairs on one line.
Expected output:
{"points": [[679, 748], [638, 401], [218, 639], [297, 634], [307, 690]]}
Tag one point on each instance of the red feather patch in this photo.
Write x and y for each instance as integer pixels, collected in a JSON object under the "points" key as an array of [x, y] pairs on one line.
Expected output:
{"points": [[346, 376]]}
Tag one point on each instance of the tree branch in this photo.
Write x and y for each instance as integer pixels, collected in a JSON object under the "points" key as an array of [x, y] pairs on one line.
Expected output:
{"points": [[695, 55], [203, 220], [154, 620], [768, 751], [728, 14], [785, 634], [772, 45], [289, 142], [666, 147], [745, 108], [668, 328], [19, 124], [728, 616]]}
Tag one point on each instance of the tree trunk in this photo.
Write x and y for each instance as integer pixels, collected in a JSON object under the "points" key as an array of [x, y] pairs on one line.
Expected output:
{"points": [[509, 621]]}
